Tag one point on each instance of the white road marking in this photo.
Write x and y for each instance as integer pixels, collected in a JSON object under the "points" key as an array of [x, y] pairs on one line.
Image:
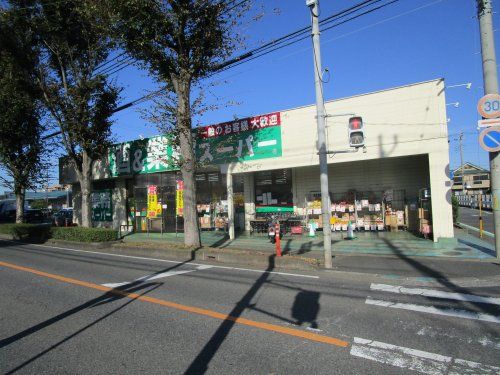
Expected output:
{"points": [[417, 360], [272, 142], [153, 276], [435, 293], [314, 329], [168, 261], [465, 314], [204, 267]]}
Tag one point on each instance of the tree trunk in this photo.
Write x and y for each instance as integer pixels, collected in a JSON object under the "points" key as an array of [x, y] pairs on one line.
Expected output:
{"points": [[188, 163], [85, 179], [20, 195]]}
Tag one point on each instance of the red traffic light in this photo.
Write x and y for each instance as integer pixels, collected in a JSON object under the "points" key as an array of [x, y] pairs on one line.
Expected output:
{"points": [[355, 123]]}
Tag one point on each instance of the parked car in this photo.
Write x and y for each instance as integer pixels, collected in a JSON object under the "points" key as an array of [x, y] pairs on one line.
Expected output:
{"points": [[63, 218], [33, 216]]}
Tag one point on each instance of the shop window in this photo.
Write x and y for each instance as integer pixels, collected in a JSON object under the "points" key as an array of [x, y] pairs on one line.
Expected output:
{"points": [[273, 188], [238, 183], [210, 187], [103, 184]]}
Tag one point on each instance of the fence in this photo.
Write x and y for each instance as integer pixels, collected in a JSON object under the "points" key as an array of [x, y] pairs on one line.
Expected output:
{"points": [[472, 201]]}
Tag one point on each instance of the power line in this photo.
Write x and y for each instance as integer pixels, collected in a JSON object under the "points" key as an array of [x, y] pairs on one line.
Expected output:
{"points": [[267, 48], [249, 56]]}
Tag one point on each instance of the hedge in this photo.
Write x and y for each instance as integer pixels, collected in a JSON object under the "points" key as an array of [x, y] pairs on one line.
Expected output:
{"points": [[42, 232], [81, 234], [29, 232]]}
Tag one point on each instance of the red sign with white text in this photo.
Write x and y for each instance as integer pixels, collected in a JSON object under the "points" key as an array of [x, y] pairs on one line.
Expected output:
{"points": [[240, 125]]}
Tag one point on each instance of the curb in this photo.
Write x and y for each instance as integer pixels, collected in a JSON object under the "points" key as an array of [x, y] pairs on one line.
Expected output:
{"points": [[211, 255], [474, 229], [261, 261]]}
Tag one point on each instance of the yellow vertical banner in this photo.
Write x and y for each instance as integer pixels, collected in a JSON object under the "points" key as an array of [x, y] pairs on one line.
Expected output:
{"points": [[152, 201], [179, 198]]}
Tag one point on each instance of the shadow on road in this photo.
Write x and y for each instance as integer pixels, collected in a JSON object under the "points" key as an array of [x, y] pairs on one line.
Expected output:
{"points": [[200, 364], [444, 281], [54, 346], [128, 290], [305, 308]]}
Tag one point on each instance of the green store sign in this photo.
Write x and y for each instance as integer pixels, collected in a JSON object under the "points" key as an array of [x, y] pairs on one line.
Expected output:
{"points": [[149, 155], [102, 205], [245, 139], [241, 140]]}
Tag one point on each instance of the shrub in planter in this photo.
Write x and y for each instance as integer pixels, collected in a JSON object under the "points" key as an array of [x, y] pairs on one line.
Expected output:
{"points": [[27, 232], [81, 234], [455, 208]]}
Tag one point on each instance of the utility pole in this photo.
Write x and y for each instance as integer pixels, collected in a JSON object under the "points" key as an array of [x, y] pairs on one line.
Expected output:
{"points": [[320, 117], [490, 79], [460, 138]]}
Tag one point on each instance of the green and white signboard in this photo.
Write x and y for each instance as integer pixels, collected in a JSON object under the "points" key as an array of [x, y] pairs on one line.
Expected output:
{"points": [[246, 139], [149, 155], [102, 205]]}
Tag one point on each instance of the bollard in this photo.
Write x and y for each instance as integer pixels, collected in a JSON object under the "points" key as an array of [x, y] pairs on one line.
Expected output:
{"points": [[278, 239]]}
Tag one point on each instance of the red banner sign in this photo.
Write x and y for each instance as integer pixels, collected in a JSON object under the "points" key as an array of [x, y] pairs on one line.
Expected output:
{"points": [[240, 125]]}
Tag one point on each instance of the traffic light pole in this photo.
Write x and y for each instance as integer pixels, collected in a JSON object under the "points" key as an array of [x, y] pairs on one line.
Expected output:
{"points": [[490, 78], [320, 117]]}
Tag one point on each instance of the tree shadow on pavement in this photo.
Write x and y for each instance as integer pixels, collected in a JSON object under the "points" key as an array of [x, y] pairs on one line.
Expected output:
{"points": [[110, 296], [200, 364], [67, 338], [441, 279]]}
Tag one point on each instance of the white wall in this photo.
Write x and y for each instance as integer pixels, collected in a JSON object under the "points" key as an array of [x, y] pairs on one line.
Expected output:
{"points": [[408, 120], [406, 173]]}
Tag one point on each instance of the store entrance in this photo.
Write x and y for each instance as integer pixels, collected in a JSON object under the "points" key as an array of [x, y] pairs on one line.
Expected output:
{"points": [[163, 194], [166, 222], [167, 198]]}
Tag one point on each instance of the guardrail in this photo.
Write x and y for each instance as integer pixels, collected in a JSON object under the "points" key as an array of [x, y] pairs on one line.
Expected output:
{"points": [[474, 229]]}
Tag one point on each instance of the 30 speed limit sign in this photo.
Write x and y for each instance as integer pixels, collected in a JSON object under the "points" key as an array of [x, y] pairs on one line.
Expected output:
{"points": [[489, 106]]}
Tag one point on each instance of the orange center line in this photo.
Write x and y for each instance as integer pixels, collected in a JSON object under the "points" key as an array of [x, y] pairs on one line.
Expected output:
{"points": [[190, 309]]}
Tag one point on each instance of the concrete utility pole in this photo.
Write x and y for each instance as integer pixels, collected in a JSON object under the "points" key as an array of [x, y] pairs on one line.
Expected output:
{"points": [[320, 116], [490, 79], [460, 138]]}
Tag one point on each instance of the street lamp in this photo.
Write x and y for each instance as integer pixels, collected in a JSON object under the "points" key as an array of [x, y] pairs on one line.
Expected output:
{"points": [[467, 85]]}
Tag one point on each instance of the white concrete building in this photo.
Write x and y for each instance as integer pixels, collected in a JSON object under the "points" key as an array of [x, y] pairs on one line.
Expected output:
{"points": [[274, 164]]}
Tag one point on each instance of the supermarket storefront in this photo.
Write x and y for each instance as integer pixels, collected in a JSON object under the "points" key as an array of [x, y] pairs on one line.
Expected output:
{"points": [[267, 165]]}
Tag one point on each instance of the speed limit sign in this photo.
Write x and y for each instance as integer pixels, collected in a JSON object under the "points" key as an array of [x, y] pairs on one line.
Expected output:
{"points": [[489, 106]]}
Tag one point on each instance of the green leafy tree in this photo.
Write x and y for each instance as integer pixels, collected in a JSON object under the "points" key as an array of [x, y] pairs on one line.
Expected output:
{"points": [[180, 42], [21, 146], [74, 40]]}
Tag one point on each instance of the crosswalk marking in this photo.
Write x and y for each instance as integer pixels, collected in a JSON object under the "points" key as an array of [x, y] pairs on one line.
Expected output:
{"points": [[435, 293], [466, 314], [417, 360]]}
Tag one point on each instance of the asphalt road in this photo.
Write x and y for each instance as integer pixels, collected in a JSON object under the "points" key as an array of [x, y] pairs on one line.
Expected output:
{"points": [[66, 311], [470, 216]]}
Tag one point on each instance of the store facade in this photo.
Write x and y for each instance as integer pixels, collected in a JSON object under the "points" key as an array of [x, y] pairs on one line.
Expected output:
{"points": [[267, 165]]}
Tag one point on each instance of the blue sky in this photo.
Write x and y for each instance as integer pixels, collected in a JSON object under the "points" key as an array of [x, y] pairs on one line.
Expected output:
{"points": [[409, 41], [406, 42]]}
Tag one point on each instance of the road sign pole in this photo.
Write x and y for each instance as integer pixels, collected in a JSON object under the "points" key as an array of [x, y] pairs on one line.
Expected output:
{"points": [[485, 11]]}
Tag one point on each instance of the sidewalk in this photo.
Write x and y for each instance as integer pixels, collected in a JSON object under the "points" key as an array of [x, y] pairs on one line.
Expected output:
{"points": [[379, 243]]}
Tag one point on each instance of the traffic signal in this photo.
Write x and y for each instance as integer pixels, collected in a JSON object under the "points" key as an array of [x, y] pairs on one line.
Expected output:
{"points": [[356, 132]]}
